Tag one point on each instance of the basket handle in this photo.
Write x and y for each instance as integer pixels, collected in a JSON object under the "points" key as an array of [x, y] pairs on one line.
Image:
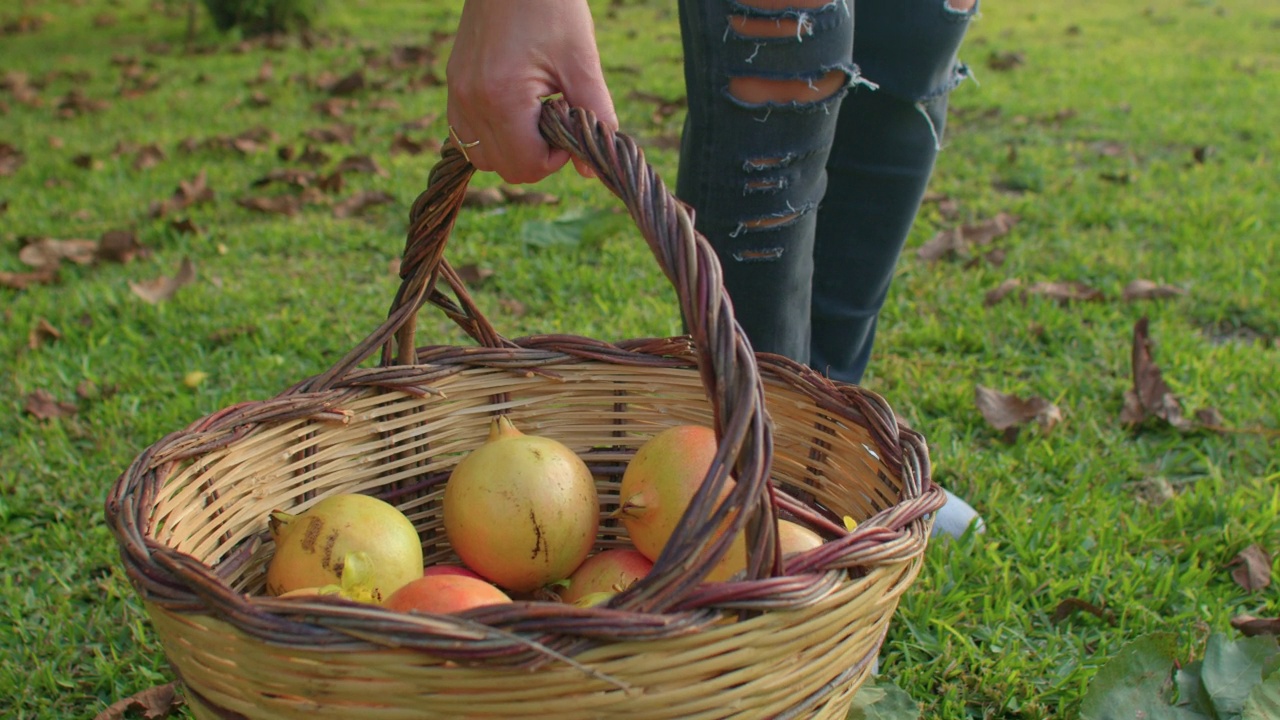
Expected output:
{"points": [[726, 362]]}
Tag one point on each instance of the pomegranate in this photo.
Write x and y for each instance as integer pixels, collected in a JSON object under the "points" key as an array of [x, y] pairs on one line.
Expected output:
{"points": [[521, 510], [444, 594], [794, 538], [447, 569], [312, 548], [658, 484], [356, 583], [609, 571]]}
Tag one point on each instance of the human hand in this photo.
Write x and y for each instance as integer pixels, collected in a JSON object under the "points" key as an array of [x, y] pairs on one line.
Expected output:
{"points": [[508, 55]]}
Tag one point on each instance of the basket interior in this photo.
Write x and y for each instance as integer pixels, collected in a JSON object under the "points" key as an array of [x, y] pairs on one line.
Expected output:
{"points": [[401, 447]]}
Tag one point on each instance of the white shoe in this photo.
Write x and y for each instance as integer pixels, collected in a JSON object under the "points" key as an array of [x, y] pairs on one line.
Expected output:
{"points": [[955, 517]]}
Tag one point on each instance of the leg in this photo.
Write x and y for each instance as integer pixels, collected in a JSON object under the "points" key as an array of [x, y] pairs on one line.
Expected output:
{"points": [[885, 146], [764, 80]]}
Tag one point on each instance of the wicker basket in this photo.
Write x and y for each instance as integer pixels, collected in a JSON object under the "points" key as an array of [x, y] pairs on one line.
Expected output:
{"points": [[793, 639]]}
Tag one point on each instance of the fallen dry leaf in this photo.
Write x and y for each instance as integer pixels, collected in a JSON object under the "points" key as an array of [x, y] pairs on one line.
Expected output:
{"points": [[361, 164], [120, 246], [287, 205], [21, 281], [1251, 568], [520, 196], [1008, 413], [44, 406], [48, 252], [1001, 291], [339, 134], [1066, 292], [148, 156], [1071, 606], [960, 239], [1148, 290], [1007, 60], [11, 158], [1253, 626], [358, 203], [154, 704], [483, 197], [190, 192], [347, 85], [42, 331], [403, 144], [472, 273], [1150, 396], [512, 307], [287, 176], [184, 227], [313, 157], [161, 289]]}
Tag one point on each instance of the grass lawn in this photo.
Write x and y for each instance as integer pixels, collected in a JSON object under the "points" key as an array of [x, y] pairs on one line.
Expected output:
{"points": [[1126, 140]]}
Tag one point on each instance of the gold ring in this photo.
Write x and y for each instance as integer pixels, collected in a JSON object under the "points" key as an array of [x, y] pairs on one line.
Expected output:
{"points": [[462, 146]]}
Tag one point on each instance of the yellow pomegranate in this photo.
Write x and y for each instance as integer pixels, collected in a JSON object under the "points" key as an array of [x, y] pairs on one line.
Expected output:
{"points": [[658, 484], [521, 510], [312, 548]]}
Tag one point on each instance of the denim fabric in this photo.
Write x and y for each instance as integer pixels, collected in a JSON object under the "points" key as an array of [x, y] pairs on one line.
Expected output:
{"points": [[808, 204]]}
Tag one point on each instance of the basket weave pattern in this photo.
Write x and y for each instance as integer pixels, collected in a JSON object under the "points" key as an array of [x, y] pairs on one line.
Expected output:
{"points": [[790, 639]]}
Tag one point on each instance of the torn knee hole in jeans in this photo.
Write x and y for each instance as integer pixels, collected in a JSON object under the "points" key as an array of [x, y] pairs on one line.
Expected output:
{"points": [[764, 254], [766, 185], [772, 221], [773, 19], [759, 91]]}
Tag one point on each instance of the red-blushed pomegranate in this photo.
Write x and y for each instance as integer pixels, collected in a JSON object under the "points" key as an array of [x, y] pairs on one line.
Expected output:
{"points": [[312, 547], [608, 571], [445, 594], [658, 484], [521, 510], [447, 569]]}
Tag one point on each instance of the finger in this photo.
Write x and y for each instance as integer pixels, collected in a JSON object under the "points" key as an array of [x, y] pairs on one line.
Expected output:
{"points": [[516, 149]]}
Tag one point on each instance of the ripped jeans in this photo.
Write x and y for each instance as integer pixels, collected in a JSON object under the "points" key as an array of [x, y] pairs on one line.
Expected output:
{"points": [[808, 202]]}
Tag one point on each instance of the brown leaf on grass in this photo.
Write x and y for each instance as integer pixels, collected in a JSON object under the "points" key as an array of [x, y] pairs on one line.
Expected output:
{"points": [[154, 703], [11, 158], [85, 161], [334, 107], [76, 103], [1008, 413], [402, 144], [313, 157], [266, 73], [287, 176], [1150, 396], [423, 123], [89, 390], [349, 84], [483, 197], [1071, 606], [512, 307], [42, 331], [383, 104], [190, 192], [48, 252], [520, 196], [120, 246], [4, 206], [184, 227], [360, 202], [24, 23], [1254, 626], [337, 134], [995, 258], [1001, 291], [1007, 60], [160, 289], [1251, 568], [148, 156], [1148, 290], [258, 99], [44, 406], [21, 281], [331, 183], [361, 164], [287, 205], [960, 239], [473, 274], [1065, 292]]}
